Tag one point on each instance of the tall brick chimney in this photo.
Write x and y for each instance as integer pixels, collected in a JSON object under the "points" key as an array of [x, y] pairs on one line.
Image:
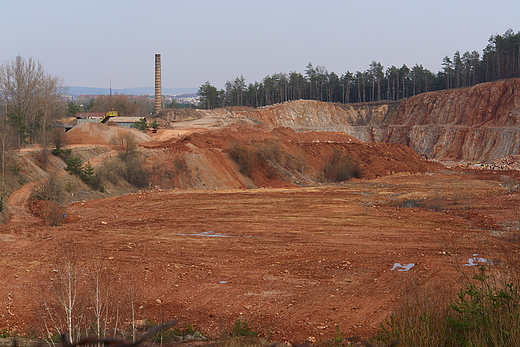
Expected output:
{"points": [[158, 89]]}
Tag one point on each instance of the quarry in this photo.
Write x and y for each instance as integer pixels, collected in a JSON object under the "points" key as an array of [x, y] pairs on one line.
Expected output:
{"points": [[242, 217]]}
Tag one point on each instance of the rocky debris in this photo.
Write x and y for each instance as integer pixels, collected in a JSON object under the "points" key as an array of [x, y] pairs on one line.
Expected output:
{"points": [[508, 163]]}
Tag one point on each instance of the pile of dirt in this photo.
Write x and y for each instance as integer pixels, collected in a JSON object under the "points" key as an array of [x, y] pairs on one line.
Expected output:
{"points": [[280, 157], [101, 134], [181, 114], [508, 163]]}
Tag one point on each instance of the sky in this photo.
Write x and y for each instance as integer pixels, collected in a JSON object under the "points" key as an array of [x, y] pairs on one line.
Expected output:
{"points": [[103, 43]]}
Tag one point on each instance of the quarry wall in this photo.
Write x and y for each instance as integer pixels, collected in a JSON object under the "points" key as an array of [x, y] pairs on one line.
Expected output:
{"points": [[479, 123]]}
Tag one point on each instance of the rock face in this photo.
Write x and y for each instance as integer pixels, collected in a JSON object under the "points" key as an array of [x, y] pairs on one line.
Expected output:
{"points": [[479, 123]]}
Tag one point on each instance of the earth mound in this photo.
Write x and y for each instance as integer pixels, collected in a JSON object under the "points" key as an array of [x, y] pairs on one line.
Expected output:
{"points": [[244, 155], [101, 134]]}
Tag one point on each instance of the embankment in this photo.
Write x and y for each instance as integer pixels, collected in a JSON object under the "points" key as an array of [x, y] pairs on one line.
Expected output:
{"points": [[479, 123]]}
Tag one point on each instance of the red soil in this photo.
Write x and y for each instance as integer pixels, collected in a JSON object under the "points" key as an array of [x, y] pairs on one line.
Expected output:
{"points": [[293, 262]]}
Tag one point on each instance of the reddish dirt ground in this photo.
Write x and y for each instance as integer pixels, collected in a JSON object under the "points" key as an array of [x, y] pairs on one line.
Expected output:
{"points": [[294, 263]]}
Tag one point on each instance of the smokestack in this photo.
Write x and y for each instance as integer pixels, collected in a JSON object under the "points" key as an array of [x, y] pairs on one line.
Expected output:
{"points": [[158, 91]]}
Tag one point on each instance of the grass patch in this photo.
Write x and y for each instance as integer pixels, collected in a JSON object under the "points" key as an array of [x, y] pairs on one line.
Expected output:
{"points": [[485, 312]]}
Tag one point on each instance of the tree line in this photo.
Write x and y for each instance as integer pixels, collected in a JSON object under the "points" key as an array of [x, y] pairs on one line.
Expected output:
{"points": [[500, 59]]}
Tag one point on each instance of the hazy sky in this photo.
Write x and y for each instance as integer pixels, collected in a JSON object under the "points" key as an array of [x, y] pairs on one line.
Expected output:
{"points": [[92, 42]]}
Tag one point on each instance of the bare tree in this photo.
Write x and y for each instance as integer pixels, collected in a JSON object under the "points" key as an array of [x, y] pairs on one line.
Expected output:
{"points": [[30, 98], [7, 145], [125, 105], [51, 191], [62, 302], [124, 143], [107, 300]]}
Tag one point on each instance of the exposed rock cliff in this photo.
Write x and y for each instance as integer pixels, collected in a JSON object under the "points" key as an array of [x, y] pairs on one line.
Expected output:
{"points": [[476, 123]]}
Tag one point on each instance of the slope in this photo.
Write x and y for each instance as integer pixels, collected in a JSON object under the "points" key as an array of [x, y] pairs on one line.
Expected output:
{"points": [[479, 123]]}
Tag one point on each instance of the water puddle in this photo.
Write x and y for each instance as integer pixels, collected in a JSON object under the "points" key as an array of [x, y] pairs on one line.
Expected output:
{"points": [[475, 260], [207, 233], [223, 282], [411, 204], [405, 267]]}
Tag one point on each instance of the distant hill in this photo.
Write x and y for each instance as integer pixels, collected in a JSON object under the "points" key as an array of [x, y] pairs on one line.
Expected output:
{"points": [[127, 91]]}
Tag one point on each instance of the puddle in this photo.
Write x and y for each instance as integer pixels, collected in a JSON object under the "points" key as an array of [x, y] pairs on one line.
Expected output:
{"points": [[427, 204], [476, 260], [405, 267], [207, 233], [223, 282], [411, 204]]}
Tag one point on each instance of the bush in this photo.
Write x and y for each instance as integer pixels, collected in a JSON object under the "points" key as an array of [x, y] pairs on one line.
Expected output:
{"points": [[340, 167], [62, 153], [259, 157], [246, 158], [140, 125], [111, 170], [418, 320], [240, 328], [135, 174], [85, 172], [125, 144], [486, 312], [167, 335], [154, 124], [127, 167], [73, 165], [52, 192]]}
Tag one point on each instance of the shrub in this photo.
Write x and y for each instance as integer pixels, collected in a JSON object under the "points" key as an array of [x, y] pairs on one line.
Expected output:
{"points": [[62, 153], [127, 167], [134, 173], [111, 170], [419, 319], [167, 334], [52, 192], [125, 144], [140, 125], [85, 172], [340, 167], [73, 165], [258, 157], [246, 158], [154, 124], [485, 312], [240, 328]]}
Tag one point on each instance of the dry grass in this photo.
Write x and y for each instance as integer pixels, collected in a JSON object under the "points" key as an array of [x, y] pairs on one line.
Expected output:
{"points": [[484, 313]]}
